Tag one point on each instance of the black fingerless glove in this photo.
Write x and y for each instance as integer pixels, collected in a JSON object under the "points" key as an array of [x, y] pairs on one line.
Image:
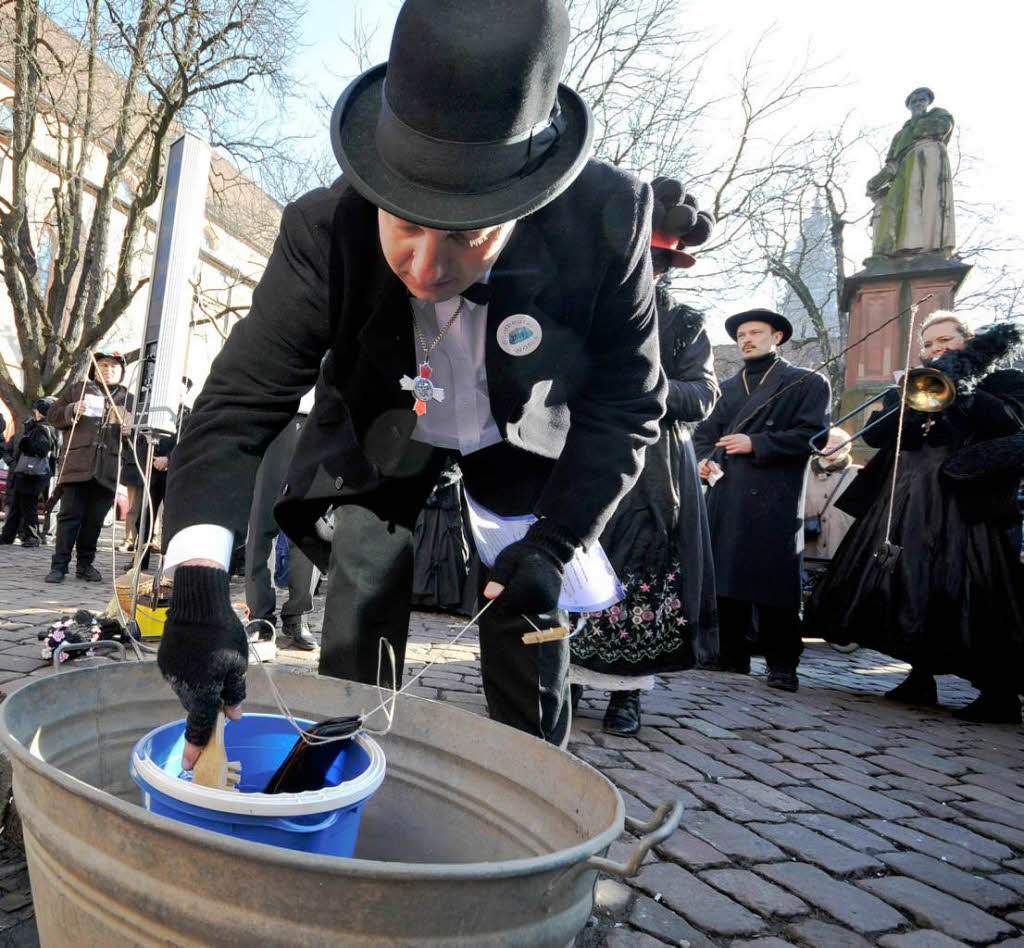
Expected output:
{"points": [[532, 569], [204, 651]]}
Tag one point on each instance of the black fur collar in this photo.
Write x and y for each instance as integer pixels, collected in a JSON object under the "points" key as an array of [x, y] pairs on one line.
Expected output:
{"points": [[983, 353]]}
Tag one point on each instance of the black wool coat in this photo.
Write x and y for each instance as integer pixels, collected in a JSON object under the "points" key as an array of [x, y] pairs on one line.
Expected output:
{"points": [[575, 414], [756, 510]]}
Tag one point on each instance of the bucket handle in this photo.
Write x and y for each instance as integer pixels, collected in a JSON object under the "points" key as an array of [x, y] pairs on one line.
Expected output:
{"points": [[663, 824], [282, 824]]}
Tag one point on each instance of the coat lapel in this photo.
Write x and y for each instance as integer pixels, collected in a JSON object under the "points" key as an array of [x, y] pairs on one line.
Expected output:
{"points": [[752, 413], [522, 281], [387, 334]]}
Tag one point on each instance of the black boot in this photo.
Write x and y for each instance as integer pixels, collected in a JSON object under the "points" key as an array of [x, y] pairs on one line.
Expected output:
{"points": [[56, 575], [991, 707], [295, 630], [784, 679], [623, 714], [917, 688], [88, 572]]}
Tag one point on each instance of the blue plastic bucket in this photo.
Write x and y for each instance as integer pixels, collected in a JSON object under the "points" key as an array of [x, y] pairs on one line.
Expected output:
{"points": [[318, 821]]}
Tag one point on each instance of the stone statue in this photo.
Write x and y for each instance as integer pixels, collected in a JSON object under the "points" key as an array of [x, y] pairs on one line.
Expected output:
{"points": [[913, 193]]}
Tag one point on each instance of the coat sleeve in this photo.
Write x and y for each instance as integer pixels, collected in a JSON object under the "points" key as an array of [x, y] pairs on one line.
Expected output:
{"points": [[615, 414], [692, 384], [810, 414], [270, 360], [996, 408], [61, 413], [710, 430]]}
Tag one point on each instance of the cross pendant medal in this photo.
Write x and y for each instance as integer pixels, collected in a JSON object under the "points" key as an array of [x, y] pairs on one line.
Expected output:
{"points": [[423, 390]]}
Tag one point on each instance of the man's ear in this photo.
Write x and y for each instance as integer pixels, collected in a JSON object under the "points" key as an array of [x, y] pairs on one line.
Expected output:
{"points": [[777, 337]]}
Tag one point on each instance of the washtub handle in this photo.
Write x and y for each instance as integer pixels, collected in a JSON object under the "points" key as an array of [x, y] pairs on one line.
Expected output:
{"points": [[663, 824]]}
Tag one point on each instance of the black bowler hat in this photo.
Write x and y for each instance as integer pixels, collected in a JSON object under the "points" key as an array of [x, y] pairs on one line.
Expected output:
{"points": [[466, 125], [776, 321]]}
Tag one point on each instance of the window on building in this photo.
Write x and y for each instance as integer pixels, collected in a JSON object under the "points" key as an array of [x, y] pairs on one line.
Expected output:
{"points": [[6, 118], [125, 193], [46, 255]]}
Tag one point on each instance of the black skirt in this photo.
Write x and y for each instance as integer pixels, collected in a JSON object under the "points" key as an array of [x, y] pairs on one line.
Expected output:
{"points": [[950, 602]]}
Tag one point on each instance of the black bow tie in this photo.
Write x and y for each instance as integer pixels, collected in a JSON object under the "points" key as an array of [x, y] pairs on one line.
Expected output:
{"points": [[479, 293]]}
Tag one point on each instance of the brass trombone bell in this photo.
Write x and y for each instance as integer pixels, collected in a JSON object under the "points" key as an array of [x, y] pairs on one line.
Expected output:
{"points": [[928, 390]]}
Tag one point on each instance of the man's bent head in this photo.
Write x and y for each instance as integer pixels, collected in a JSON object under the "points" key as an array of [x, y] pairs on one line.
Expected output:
{"points": [[434, 264]]}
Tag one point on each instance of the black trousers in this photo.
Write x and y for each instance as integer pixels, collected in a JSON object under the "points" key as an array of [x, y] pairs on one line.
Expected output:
{"points": [[23, 509], [82, 509], [369, 595], [777, 631], [302, 577]]}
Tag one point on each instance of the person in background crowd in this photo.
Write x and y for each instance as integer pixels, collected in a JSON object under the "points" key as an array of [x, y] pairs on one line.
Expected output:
{"points": [[947, 594], [464, 161], [658, 539], [302, 574], [30, 471], [88, 468], [830, 474], [825, 525], [754, 449]]}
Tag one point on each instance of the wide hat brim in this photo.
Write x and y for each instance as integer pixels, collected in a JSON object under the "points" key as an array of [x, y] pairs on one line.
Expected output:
{"points": [[775, 320], [353, 136]]}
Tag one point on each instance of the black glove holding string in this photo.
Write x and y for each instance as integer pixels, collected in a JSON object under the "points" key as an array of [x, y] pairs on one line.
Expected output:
{"points": [[531, 570], [204, 651]]}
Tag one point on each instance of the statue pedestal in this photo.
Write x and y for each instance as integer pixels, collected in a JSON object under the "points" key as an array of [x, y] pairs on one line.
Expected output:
{"points": [[885, 287]]}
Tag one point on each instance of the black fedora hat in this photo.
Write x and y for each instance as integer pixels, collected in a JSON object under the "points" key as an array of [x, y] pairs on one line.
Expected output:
{"points": [[775, 320], [466, 125]]}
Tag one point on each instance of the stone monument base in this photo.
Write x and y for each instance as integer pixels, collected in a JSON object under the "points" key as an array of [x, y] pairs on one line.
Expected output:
{"points": [[873, 296]]}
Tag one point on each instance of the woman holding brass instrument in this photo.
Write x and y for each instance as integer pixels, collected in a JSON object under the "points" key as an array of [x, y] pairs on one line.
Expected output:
{"points": [[927, 574]]}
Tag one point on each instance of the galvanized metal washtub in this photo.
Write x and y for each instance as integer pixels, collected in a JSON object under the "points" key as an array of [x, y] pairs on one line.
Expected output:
{"points": [[479, 836]]}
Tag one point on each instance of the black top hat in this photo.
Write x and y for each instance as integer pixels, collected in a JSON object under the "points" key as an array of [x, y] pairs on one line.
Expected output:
{"points": [[466, 125], [677, 223], [776, 321]]}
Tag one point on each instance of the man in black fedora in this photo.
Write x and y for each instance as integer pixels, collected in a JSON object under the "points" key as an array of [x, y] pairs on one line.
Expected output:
{"points": [[754, 450], [464, 162]]}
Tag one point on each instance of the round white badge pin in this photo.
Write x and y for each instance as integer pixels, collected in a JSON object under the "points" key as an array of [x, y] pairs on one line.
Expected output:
{"points": [[519, 335]]}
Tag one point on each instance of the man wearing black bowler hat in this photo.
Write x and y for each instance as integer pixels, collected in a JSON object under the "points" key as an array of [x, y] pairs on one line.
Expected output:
{"points": [[754, 449], [464, 162]]}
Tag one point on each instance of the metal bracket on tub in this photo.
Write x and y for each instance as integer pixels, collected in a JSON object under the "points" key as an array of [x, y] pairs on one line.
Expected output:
{"points": [[84, 647], [662, 825]]}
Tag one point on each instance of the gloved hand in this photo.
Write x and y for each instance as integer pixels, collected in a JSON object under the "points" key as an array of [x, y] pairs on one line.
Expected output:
{"points": [[531, 569], [204, 651]]}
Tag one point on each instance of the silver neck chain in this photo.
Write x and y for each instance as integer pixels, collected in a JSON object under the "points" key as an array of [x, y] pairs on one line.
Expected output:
{"points": [[427, 350]]}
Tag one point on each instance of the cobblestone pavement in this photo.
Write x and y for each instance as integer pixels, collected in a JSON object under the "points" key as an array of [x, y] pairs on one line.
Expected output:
{"points": [[826, 818]]}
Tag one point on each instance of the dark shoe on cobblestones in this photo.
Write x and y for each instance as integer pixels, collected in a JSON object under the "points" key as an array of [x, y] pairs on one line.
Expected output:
{"points": [[5, 542], [31, 543], [783, 679], [623, 714], [56, 575], [296, 634], [916, 688], [89, 573], [991, 708]]}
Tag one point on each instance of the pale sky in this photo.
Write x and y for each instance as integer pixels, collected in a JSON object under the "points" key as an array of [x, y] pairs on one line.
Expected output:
{"points": [[968, 54]]}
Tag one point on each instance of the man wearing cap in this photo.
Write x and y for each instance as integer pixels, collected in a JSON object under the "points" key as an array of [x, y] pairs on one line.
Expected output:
{"points": [[754, 449], [464, 162]]}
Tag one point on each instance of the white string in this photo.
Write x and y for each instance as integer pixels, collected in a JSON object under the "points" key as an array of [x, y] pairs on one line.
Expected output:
{"points": [[899, 431], [387, 705]]}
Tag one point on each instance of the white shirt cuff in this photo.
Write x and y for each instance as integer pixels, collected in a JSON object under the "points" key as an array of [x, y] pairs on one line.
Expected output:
{"points": [[201, 541]]}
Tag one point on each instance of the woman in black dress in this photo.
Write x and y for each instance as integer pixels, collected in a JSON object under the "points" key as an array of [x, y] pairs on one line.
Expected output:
{"points": [[947, 596], [658, 539]]}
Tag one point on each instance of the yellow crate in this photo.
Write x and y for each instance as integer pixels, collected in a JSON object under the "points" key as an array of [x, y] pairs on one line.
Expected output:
{"points": [[150, 621]]}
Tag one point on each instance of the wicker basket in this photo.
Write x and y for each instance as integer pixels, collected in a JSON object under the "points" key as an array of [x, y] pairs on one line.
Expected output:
{"points": [[123, 588]]}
